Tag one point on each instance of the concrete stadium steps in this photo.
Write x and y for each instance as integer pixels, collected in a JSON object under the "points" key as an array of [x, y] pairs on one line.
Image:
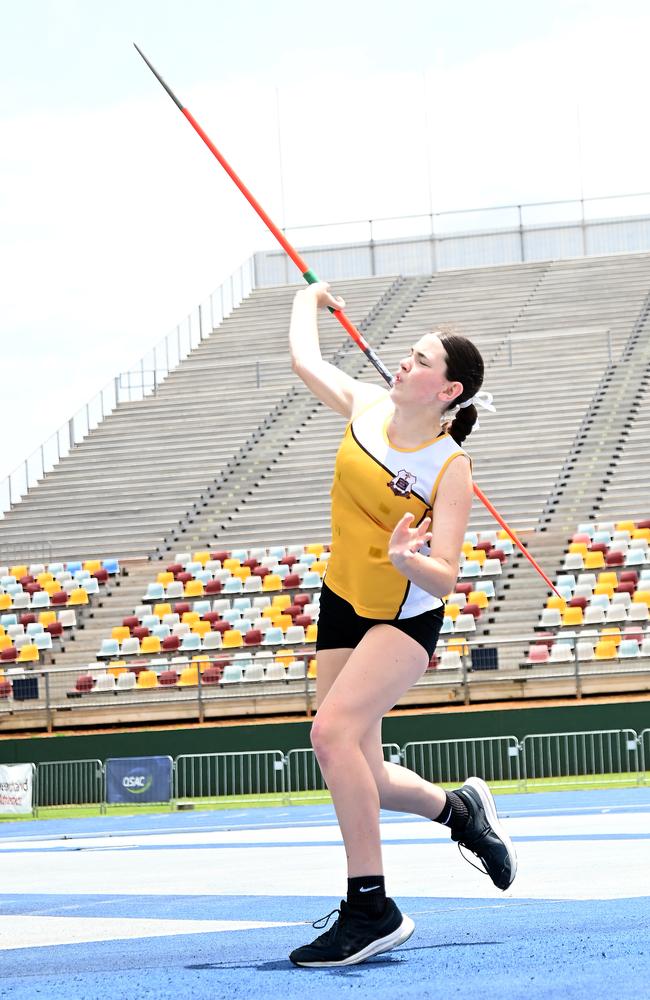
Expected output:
{"points": [[145, 467], [255, 524], [520, 460]]}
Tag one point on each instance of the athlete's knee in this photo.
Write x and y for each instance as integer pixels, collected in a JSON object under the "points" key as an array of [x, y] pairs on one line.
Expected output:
{"points": [[328, 739]]}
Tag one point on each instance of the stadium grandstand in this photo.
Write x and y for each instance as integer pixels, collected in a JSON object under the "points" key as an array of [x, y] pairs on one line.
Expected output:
{"points": [[169, 566]]}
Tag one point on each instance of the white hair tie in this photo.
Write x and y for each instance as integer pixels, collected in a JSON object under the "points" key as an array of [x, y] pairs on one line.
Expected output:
{"points": [[482, 399]]}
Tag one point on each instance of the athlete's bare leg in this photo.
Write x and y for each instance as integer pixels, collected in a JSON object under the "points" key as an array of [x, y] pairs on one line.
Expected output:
{"points": [[355, 690]]}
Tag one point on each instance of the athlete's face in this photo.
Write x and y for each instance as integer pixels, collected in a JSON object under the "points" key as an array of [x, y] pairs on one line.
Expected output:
{"points": [[422, 375]]}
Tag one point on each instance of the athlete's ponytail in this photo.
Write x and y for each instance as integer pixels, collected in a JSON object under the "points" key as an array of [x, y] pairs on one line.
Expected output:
{"points": [[465, 365]]}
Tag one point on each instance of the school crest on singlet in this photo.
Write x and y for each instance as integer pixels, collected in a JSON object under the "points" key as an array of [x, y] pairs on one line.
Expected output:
{"points": [[375, 484], [401, 483]]}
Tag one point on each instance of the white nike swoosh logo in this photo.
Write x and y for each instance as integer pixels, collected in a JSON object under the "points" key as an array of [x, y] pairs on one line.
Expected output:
{"points": [[370, 888]]}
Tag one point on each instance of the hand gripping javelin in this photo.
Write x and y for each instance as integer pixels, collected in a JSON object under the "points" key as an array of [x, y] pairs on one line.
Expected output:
{"points": [[310, 278]]}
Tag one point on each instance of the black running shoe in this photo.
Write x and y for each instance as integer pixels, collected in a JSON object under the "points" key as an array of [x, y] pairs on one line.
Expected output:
{"points": [[354, 937], [484, 836]]}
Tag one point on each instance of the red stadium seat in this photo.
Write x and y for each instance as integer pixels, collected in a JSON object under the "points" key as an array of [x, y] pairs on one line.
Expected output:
{"points": [[131, 621], [9, 654], [291, 581], [221, 556], [614, 559], [213, 587], [167, 678], [170, 643], [59, 597], [253, 637]]}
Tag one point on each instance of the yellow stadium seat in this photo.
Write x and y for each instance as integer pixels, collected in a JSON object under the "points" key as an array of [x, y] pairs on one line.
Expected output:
{"points": [[92, 565], [315, 549], [452, 611], [47, 618], [241, 572], [189, 676], [201, 557], [318, 567], [594, 560], [625, 526], [284, 658], [190, 618], [605, 650], [231, 564], [556, 602], [162, 609], [572, 616], [5, 642], [18, 571], [281, 601], [5, 602], [201, 661], [271, 582], [608, 577], [28, 654], [150, 644], [605, 588], [283, 622], [193, 588], [147, 679], [642, 597], [477, 555], [478, 597], [271, 612], [312, 670], [232, 639], [311, 633], [466, 548], [611, 635], [78, 597], [116, 668], [580, 547], [120, 632], [52, 587], [43, 578], [165, 577], [201, 628], [458, 646], [641, 533]]}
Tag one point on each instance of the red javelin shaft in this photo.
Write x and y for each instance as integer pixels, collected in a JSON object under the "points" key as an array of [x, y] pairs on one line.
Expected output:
{"points": [[495, 514], [310, 278]]}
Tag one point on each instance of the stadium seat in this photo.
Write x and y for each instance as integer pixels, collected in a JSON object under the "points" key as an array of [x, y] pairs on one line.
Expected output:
{"points": [[561, 653], [450, 660], [605, 650], [628, 649], [109, 647], [232, 674], [126, 681], [147, 679], [232, 639], [151, 644], [104, 683]]}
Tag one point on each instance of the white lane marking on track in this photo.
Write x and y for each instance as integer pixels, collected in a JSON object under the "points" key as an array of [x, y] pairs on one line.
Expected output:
{"points": [[538, 826], [39, 932], [570, 870]]}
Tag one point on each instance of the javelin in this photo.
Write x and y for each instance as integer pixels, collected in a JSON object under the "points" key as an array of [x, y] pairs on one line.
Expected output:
{"points": [[311, 278]]}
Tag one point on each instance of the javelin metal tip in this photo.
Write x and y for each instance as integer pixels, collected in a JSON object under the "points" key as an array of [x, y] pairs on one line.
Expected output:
{"points": [[159, 78]]}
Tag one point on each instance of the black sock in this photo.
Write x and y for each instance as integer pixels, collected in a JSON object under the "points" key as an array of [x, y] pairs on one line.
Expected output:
{"points": [[367, 893], [455, 813]]}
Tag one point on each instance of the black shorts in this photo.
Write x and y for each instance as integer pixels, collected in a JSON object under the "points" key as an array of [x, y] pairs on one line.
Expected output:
{"points": [[340, 627]]}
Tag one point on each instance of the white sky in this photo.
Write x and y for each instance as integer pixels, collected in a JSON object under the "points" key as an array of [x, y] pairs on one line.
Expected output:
{"points": [[115, 221]]}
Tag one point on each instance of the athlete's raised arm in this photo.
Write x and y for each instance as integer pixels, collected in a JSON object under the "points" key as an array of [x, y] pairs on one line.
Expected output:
{"points": [[341, 392]]}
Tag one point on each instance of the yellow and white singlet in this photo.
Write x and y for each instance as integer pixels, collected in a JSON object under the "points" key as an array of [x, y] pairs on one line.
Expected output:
{"points": [[375, 484]]}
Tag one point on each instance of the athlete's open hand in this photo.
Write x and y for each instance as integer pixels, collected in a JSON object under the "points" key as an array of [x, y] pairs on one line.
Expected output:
{"points": [[406, 541]]}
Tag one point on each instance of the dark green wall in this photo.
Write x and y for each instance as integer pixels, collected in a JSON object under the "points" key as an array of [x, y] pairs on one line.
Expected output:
{"points": [[578, 717]]}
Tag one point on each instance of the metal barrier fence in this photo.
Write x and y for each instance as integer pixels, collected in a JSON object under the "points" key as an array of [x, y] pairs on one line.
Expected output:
{"points": [[644, 748], [540, 760], [223, 775], [586, 758], [304, 774], [493, 758], [70, 782]]}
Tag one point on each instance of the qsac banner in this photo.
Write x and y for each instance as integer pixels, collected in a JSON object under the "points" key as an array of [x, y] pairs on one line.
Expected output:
{"points": [[16, 788], [138, 779]]}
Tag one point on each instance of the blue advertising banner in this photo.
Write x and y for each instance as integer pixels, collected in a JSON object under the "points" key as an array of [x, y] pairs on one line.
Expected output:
{"points": [[138, 779]]}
